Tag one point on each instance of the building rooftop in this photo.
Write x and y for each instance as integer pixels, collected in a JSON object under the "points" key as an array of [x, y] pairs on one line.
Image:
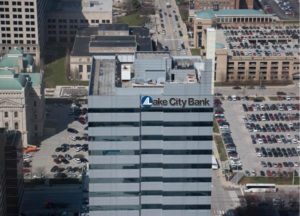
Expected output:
{"points": [[14, 58], [113, 41], [210, 14], [9, 80], [85, 36], [260, 41], [113, 27], [149, 70]]}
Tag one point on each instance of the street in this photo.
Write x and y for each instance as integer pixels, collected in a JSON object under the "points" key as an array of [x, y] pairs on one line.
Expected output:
{"points": [[170, 30], [224, 201]]}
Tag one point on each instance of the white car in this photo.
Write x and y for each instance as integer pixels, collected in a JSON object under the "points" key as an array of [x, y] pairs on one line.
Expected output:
{"points": [[296, 164], [25, 156], [73, 138]]}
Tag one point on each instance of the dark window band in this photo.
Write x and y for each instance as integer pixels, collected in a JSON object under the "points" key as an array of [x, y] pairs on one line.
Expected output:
{"points": [[151, 123], [148, 206], [152, 109], [150, 151], [150, 137], [148, 179], [150, 193], [151, 165]]}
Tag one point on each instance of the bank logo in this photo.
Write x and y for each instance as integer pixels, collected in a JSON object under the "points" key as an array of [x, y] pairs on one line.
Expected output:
{"points": [[146, 101]]}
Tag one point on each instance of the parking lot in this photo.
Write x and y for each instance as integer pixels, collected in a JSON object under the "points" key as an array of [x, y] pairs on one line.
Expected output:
{"points": [[63, 152], [265, 135]]}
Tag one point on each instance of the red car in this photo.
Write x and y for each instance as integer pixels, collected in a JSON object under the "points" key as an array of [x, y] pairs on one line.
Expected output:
{"points": [[269, 173]]}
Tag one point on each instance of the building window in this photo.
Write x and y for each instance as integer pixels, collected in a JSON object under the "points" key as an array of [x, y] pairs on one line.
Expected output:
{"points": [[6, 114], [6, 125], [80, 68], [35, 127], [34, 103], [16, 114], [16, 126], [88, 68]]}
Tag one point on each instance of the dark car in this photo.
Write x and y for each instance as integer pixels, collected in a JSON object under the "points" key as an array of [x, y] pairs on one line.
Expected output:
{"points": [[58, 149], [54, 169], [236, 87], [262, 173], [72, 130], [60, 175]]}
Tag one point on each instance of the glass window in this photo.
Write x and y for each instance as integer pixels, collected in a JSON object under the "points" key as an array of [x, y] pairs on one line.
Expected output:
{"points": [[6, 114], [15, 114]]}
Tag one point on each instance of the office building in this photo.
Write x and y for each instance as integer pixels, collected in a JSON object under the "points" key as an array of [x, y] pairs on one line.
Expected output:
{"points": [[11, 170], [22, 25], [105, 39], [21, 98], [65, 17], [150, 131]]}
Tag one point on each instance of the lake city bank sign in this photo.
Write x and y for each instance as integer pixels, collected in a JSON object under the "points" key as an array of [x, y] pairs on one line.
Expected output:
{"points": [[148, 101]]}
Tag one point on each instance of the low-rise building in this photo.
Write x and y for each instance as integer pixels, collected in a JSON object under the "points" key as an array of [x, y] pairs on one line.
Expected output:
{"points": [[257, 54], [21, 99], [65, 17], [106, 39]]}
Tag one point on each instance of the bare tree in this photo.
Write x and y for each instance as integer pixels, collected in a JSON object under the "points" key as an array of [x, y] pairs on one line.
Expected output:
{"points": [[40, 172]]}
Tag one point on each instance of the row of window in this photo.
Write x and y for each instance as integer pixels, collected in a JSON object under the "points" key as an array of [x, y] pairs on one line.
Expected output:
{"points": [[150, 193], [152, 109], [16, 125], [148, 206], [149, 179], [151, 165], [6, 114], [17, 3], [22, 48], [77, 21], [150, 151], [152, 123], [150, 137]]}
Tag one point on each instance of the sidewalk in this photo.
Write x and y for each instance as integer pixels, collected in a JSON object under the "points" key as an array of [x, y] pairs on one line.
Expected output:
{"points": [[225, 184]]}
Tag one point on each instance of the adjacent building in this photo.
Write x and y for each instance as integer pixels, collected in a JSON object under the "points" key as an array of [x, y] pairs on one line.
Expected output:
{"points": [[11, 172], [257, 54], [22, 25], [65, 17], [150, 131], [236, 18], [199, 5], [249, 45], [21, 97], [106, 39]]}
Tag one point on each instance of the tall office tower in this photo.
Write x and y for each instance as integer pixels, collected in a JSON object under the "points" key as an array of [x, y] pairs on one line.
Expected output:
{"points": [[11, 170], [22, 25], [150, 129]]}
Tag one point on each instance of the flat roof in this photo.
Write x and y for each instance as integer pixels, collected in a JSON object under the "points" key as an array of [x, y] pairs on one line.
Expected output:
{"points": [[210, 14], [114, 27], [138, 37], [260, 41]]}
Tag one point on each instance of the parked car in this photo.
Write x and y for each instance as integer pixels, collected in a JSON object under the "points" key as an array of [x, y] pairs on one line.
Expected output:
{"points": [[72, 130]]}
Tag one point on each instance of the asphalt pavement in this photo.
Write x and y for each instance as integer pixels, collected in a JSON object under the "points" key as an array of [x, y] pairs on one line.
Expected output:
{"points": [[169, 35]]}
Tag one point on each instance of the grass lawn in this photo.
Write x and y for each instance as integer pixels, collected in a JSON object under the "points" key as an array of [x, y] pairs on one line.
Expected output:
{"points": [[274, 180], [220, 147], [273, 98], [132, 19], [195, 51], [55, 74]]}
